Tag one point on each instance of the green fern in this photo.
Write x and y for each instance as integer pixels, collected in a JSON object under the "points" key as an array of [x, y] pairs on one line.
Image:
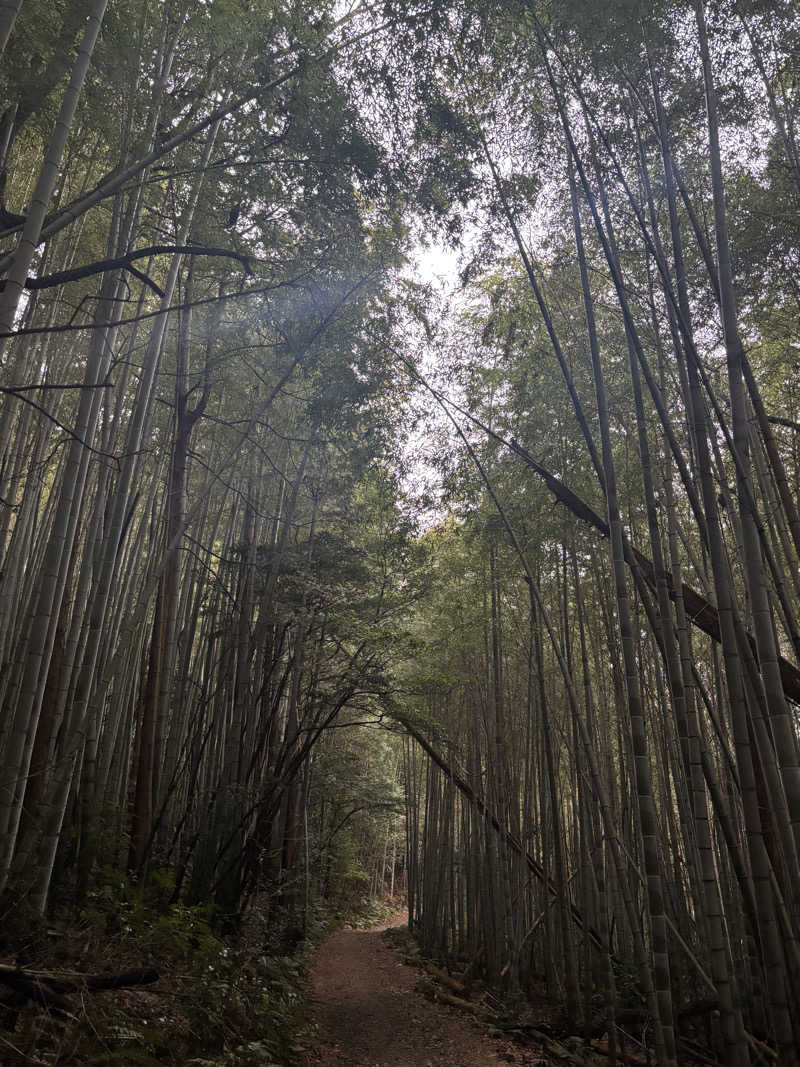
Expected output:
{"points": [[133, 1056]]}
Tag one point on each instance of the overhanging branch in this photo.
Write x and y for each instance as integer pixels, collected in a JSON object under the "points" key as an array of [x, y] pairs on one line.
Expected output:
{"points": [[100, 266]]}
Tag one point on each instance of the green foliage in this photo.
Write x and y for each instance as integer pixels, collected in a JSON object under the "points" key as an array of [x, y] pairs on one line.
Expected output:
{"points": [[370, 913], [235, 998], [149, 923], [218, 1001]]}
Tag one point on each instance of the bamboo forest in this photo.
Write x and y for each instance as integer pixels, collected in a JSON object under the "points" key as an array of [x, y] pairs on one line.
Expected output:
{"points": [[399, 532]]}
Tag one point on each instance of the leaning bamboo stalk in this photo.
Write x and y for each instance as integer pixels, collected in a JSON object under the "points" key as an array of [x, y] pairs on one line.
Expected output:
{"points": [[683, 696], [763, 895], [9, 9], [598, 782], [32, 235], [48, 594], [97, 367], [662, 1001], [704, 615], [785, 736]]}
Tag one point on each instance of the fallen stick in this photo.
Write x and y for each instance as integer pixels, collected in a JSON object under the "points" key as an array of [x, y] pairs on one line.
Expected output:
{"points": [[433, 991], [49, 989]]}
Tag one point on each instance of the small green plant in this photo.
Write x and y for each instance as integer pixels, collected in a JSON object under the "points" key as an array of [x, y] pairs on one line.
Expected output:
{"points": [[371, 912]]}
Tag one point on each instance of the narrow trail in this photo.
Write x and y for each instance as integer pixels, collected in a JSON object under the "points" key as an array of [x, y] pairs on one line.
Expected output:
{"points": [[369, 1014]]}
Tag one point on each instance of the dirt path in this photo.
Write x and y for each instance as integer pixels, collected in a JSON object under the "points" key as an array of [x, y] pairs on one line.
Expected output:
{"points": [[369, 1014]]}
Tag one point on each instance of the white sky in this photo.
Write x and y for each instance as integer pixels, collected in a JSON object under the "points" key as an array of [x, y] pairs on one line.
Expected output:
{"points": [[435, 265]]}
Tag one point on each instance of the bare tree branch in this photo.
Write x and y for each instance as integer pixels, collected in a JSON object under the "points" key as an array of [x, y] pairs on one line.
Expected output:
{"points": [[62, 277]]}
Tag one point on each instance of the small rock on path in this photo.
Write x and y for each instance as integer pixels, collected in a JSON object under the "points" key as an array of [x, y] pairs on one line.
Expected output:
{"points": [[369, 1014]]}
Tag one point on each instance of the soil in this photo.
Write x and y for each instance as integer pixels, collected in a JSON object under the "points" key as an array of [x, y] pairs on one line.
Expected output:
{"points": [[368, 1013]]}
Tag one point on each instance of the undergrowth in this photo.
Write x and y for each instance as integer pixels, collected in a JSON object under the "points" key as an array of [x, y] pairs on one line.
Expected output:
{"points": [[364, 913], [232, 1001]]}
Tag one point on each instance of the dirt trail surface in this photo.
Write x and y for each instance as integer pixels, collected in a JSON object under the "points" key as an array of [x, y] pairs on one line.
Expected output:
{"points": [[369, 1014]]}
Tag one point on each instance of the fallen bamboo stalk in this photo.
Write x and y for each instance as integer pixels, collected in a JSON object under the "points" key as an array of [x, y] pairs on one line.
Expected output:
{"points": [[50, 990]]}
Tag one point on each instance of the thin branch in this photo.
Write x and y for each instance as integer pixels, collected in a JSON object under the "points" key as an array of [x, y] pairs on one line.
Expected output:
{"points": [[61, 426], [15, 390], [100, 266], [131, 319], [789, 423]]}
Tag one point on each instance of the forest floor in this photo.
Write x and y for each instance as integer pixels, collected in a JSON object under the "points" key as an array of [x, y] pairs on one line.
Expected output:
{"points": [[369, 1013]]}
